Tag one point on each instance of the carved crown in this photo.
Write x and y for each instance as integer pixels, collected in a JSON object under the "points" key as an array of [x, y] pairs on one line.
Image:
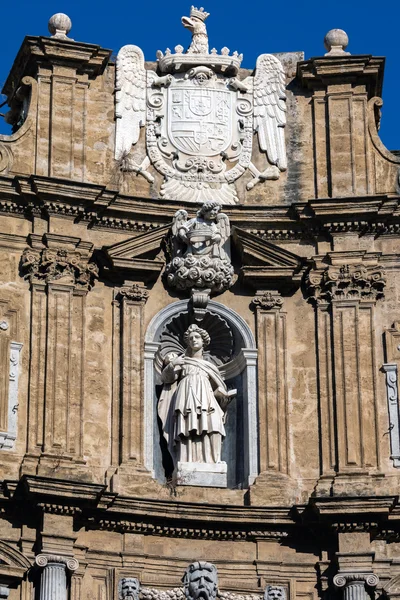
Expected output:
{"points": [[199, 13]]}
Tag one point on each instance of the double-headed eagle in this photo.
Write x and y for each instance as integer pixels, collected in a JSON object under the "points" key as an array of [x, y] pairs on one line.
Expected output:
{"points": [[192, 104]]}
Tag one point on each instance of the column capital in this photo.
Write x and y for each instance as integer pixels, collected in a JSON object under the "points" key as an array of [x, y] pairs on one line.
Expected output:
{"points": [[70, 563], [342, 580]]}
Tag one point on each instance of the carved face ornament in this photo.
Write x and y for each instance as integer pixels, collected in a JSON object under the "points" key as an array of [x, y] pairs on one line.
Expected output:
{"points": [[130, 589], [201, 584]]}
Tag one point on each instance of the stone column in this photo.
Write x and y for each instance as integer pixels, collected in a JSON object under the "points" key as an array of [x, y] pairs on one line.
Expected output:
{"points": [[356, 586], [53, 581]]}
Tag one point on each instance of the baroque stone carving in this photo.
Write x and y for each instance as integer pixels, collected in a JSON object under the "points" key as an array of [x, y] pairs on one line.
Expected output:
{"points": [[128, 588], [199, 251], [178, 594], [135, 293], [199, 117], [268, 301], [275, 592], [50, 265], [200, 581], [347, 282], [393, 407], [192, 406]]}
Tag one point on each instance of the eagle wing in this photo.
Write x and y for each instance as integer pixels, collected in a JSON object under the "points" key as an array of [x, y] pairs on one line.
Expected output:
{"points": [[130, 98], [270, 108]]}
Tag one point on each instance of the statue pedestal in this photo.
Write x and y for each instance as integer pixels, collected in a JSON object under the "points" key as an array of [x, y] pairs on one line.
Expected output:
{"points": [[202, 474]]}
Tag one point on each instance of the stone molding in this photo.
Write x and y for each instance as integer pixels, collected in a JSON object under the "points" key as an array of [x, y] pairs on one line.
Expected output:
{"points": [[346, 282], [43, 560]]}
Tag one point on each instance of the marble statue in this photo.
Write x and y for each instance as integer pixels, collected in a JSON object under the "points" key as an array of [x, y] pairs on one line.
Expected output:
{"points": [[200, 118], [193, 403], [200, 581], [198, 249], [129, 588]]}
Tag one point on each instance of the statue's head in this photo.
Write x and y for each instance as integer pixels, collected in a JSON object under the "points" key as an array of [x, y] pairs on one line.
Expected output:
{"points": [[196, 338], [209, 210], [274, 592], [129, 588], [200, 581]]}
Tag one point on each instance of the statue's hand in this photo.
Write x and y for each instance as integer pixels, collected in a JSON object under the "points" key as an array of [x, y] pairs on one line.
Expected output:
{"points": [[180, 361], [216, 238]]}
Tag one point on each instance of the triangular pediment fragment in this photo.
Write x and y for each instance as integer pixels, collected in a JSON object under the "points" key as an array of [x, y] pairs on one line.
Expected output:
{"points": [[266, 265], [138, 256]]}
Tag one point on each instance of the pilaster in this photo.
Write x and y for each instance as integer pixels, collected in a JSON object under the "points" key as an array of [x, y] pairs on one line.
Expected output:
{"points": [[341, 86], [131, 300], [273, 483], [60, 273], [344, 288]]}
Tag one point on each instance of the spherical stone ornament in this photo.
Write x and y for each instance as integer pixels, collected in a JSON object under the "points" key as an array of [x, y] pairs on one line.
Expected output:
{"points": [[336, 40], [60, 25]]}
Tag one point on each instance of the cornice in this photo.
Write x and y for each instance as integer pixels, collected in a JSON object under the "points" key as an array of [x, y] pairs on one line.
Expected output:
{"points": [[90, 59], [331, 70], [102, 207]]}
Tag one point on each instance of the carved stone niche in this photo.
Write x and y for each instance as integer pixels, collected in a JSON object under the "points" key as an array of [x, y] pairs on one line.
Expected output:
{"points": [[232, 352]]}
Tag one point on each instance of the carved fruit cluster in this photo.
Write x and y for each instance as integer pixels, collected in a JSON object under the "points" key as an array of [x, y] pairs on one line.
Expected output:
{"points": [[199, 272]]}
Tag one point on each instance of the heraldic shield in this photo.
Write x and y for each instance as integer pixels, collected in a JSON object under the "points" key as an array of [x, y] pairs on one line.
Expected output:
{"points": [[199, 119]]}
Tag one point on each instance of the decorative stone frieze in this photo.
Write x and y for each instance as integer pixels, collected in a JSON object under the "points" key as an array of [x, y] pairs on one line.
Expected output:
{"points": [[178, 594], [347, 282], [50, 265]]}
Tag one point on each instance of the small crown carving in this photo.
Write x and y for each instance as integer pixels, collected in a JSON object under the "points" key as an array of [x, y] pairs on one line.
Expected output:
{"points": [[199, 13]]}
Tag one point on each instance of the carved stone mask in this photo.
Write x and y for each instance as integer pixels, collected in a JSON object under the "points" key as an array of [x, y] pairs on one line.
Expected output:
{"points": [[129, 588], [275, 592], [200, 581]]}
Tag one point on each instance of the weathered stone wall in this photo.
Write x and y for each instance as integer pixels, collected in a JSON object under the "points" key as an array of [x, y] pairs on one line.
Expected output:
{"points": [[82, 256]]}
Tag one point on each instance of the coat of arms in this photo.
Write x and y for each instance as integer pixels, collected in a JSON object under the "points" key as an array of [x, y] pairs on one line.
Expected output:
{"points": [[200, 117]]}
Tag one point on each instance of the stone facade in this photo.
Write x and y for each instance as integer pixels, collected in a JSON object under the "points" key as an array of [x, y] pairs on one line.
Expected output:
{"points": [[304, 334]]}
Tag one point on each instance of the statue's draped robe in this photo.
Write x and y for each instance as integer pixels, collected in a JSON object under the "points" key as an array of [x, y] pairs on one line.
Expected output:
{"points": [[188, 407]]}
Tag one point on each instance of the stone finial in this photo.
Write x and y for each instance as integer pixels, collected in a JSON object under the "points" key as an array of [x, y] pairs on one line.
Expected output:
{"points": [[336, 41], [59, 26]]}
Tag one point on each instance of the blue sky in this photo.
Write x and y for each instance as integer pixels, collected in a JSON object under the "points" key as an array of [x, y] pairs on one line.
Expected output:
{"points": [[251, 27]]}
